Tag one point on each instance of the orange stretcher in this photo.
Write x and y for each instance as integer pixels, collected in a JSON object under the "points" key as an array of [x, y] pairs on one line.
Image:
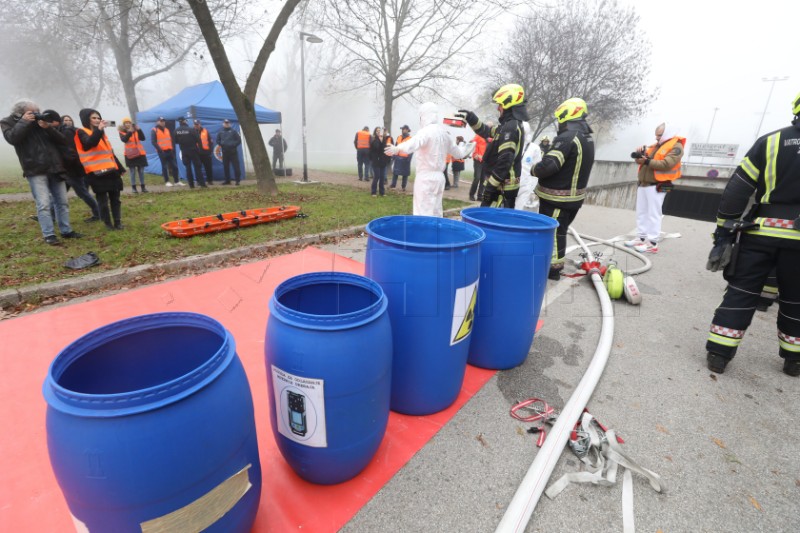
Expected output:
{"points": [[190, 227]]}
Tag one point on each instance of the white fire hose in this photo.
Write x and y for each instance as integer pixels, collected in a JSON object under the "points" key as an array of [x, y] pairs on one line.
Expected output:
{"points": [[526, 497]]}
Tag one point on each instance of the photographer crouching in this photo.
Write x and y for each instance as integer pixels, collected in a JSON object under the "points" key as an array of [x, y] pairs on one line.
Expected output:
{"points": [[38, 144]]}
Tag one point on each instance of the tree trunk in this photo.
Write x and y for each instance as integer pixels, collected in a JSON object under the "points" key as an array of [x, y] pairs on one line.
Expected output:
{"points": [[243, 107], [388, 101]]}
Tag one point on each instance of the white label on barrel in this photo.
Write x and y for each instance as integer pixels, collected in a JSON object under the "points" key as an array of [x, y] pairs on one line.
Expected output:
{"points": [[300, 408], [463, 313]]}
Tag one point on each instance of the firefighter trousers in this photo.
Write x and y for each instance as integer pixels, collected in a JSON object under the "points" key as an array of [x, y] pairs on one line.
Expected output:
{"points": [[564, 218], [757, 258]]}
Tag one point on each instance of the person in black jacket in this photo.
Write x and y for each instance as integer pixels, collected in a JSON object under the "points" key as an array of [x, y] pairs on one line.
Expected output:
{"points": [[279, 146], [39, 145], [106, 183], [502, 161], [378, 159], [189, 142], [768, 240], [228, 140], [563, 174], [75, 176], [205, 151]]}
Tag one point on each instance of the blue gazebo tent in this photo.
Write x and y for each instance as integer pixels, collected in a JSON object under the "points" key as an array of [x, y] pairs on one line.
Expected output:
{"points": [[207, 102]]}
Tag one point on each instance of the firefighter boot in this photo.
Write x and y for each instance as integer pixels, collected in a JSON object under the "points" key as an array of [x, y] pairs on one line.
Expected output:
{"points": [[717, 363], [791, 368]]}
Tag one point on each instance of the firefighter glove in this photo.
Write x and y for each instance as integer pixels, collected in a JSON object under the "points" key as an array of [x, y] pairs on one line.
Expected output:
{"points": [[469, 116], [720, 254]]}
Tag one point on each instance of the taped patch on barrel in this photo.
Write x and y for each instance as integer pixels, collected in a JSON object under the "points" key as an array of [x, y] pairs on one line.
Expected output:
{"points": [[206, 510]]}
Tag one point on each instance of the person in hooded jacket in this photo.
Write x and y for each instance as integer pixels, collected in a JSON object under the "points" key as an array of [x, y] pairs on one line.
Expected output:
{"points": [[76, 177], [103, 169], [502, 162], [563, 174], [431, 144]]}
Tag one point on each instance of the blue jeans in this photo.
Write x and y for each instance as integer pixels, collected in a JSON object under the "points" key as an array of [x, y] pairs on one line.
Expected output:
{"points": [[43, 187], [378, 178]]}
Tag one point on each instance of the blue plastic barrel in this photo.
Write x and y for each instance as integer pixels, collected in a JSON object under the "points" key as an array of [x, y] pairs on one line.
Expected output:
{"points": [[328, 353], [428, 268], [515, 260], [150, 427]]}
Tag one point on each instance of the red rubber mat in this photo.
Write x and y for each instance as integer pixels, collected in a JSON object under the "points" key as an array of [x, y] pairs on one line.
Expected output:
{"points": [[30, 499]]}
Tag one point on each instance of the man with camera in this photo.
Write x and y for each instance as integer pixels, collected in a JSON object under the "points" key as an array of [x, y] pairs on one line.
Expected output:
{"points": [[38, 144], [659, 166]]}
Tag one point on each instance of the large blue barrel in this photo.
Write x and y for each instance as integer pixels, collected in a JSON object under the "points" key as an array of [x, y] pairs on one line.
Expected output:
{"points": [[515, 260], [328, 355], [150, 427], [428, 268]]}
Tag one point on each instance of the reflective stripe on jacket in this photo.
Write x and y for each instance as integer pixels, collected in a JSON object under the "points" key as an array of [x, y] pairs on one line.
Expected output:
{"points": [[96, 159]]}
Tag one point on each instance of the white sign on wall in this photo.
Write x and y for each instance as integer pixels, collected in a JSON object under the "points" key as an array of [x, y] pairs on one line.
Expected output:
{"points": [[713, 150]]}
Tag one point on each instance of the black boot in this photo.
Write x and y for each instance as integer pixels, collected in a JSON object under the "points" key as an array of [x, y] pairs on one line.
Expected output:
{"points": [[791, 368], [105, 216], [717, 363], [134, 189], [144, 189], [116, 212]]}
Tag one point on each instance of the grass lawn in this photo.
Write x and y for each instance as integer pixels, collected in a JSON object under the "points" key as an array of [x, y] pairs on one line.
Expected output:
{"points": [[26, 259]]}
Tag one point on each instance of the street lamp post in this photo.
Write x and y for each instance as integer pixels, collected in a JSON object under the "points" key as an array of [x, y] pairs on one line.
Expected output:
{"points": [[312, 39], [772, 86]]}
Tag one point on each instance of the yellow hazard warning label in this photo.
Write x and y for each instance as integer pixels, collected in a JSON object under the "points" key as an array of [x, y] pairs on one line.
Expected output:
{"points": [[463, 313]]}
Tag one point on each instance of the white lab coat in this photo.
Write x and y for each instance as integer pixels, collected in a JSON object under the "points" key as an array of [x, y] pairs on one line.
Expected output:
{"points": [[526, 199], [431, 144]]}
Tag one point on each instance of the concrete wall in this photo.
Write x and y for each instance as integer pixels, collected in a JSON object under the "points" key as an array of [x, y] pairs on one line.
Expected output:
{"points": [[613, 183]]}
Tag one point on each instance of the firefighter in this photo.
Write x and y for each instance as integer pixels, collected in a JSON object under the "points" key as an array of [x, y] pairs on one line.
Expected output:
{"points": [[563, 174], [502, 161], [768, 236]]}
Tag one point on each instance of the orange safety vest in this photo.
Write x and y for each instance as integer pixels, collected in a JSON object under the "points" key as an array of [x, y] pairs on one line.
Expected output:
{"points": [[163, 138], [204, 141], [96, 159], [660, 153], [133, 146], [400, 140], [362, 139], [480, 148]]}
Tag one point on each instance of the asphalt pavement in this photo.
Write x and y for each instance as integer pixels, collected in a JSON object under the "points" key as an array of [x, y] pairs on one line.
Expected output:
{"points": [[725, 445]]}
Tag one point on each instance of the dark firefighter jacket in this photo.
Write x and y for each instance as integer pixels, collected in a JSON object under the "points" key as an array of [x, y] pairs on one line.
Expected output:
{"points": [[564, 170]]}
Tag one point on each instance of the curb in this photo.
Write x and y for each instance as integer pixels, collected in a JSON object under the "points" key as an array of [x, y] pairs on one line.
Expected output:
{"points": [[14, 297]]}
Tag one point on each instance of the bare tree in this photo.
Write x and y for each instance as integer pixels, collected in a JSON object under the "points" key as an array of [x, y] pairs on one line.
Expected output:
{"points": [[592, 50], [243, 101], [402, 46], [41, 58]]}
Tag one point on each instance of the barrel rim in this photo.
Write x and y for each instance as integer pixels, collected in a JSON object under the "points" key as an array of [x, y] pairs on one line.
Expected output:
{"points": [[327, 322], [546, 223], [141, 400], [446, 222]]}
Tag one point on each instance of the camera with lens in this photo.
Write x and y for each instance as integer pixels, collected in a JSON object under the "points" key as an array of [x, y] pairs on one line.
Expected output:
{"points": [[638, 154], [47, 116]]}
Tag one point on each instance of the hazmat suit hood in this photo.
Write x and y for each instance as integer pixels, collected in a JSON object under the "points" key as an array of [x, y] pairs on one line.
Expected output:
{"points": [[428, 114], [670, 131], [84, 114]]}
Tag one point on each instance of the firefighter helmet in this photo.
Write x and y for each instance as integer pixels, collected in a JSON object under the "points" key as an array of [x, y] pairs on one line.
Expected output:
{"points": [[509, 95], [571, 109], [796, 105]]}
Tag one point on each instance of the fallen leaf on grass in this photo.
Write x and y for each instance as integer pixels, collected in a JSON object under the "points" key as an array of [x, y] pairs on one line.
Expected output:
{"points": [[719, 443], [755, 503], [480, 439], [662, 429]]}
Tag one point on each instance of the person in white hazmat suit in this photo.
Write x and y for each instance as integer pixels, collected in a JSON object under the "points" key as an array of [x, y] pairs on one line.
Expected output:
{"points": [[531, 154], [432, 143]]}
